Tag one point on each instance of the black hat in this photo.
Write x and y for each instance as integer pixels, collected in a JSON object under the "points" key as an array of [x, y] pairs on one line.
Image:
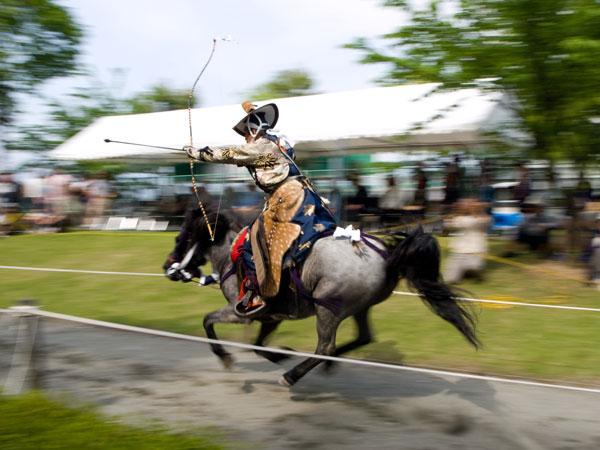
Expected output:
{"points": [[266, 116]]}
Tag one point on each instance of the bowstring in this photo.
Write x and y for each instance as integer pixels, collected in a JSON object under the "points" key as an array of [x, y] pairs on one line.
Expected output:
{"points": [[190, 99]]}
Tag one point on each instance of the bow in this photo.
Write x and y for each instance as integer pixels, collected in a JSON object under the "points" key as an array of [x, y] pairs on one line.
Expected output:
{"points": [[190, 98]]}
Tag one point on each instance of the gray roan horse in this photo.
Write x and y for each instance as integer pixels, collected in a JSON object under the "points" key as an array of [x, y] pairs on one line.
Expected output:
{"points": [[356, 275]]}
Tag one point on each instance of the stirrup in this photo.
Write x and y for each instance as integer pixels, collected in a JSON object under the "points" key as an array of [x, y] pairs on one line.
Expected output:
{"points": [[251, 307]]}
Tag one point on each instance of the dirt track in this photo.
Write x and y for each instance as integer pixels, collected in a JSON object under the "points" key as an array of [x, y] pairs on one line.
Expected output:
{"points": [[183, 384]]}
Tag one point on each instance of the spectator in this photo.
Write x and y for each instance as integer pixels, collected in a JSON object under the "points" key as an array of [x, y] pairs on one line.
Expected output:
{"points": [[391, 203], [33, 193], [468, 247], [452, 183], [10, 192], [594, 261], [358, 203], [57, 194], [534, 231], [553, 191], [577, 199], [486, 191], [98, 197], [335, 199], [420, 198], [249, 203], [523, 188], [392, 197], [582, 193], [10, 215], [229, 198]]}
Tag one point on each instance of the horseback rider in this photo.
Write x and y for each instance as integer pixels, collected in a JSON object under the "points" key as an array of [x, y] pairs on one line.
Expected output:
{"points": [[293, 218]]}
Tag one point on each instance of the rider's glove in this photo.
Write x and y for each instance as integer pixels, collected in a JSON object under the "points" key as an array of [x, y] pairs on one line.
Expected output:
{"points": [[175, 273], [195, 153], [185, 276]]}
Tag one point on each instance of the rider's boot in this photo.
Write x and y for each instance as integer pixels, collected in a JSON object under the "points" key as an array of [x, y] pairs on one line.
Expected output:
{"points": [[250, 305]]}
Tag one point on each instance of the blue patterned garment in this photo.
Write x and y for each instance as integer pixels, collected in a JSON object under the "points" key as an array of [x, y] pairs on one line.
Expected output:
{"points": [[314, 219]]}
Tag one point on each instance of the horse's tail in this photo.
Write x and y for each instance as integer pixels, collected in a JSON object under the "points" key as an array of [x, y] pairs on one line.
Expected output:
{"points": [[416, 257]]}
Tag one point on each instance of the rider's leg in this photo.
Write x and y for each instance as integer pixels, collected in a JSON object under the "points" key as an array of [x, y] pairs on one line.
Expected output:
{"points": [[250, 301]]}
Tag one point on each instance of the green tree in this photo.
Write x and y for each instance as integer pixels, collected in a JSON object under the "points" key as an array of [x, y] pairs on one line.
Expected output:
{"points": [[160, 98], [39, 40], [86, 104], [542, 53], [287, 83]]}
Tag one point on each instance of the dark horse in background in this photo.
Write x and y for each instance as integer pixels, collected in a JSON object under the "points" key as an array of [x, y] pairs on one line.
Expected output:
{"points": [[354, 276]]}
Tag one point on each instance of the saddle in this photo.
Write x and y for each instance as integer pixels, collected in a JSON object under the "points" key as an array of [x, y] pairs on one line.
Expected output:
{"points": [[281, 238], [292, 290]]}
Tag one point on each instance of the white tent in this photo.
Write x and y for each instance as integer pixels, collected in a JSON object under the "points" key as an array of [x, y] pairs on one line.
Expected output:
{"points": [[365, 121]]}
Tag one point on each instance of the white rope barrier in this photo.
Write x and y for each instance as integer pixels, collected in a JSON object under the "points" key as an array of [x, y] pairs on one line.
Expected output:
{"points": [[185, 337], [576, 308], [479, 300], [98, 272]]}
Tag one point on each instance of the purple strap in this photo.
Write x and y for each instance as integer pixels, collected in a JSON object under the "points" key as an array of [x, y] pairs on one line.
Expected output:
{"points": [[332, 303], [381, 252], [228, 273]]}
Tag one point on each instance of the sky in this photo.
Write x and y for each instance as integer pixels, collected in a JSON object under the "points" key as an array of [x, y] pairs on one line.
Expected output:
{"points": [[156, 41]]}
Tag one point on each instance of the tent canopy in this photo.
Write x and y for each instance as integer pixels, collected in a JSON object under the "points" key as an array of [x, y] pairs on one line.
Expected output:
{"points": [[355, 122]]}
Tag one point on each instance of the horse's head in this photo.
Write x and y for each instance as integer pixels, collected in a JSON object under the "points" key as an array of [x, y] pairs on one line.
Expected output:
{"points": [[193, 243]]}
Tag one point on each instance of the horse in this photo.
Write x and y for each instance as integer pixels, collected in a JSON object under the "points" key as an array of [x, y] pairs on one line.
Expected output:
{"points": [[352, 276]]}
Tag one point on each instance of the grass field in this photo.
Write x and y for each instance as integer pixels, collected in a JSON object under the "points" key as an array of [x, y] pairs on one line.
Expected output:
{"points": [[521, 341], [33, 422]]}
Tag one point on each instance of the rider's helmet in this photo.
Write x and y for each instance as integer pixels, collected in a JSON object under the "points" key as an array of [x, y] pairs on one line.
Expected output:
{"points": [[257, 120]]}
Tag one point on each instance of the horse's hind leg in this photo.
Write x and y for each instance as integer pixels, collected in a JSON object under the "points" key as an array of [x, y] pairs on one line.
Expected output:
{"points": [[327, 325], [223, 315], [363, 338], [266, 329]]}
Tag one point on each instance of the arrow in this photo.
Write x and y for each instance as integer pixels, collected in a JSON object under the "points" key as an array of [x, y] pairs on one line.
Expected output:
{"points": [[110, 141]]}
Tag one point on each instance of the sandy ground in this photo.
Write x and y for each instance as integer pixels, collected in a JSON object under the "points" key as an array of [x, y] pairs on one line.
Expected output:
{"points": [[142, 378]]}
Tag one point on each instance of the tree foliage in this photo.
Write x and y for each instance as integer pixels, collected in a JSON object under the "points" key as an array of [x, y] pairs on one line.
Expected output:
{"points": [[39, 40], [159, 98], [287, 83], [86, 104], [542, 53]]}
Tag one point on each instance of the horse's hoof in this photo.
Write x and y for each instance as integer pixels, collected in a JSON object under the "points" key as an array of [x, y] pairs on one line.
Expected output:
{"points": [[285, 382], [227, 361], [273, 357], [330, 366]]}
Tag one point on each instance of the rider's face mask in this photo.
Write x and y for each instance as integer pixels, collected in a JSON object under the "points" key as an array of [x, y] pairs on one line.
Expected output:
{"points": [[256, 126]]}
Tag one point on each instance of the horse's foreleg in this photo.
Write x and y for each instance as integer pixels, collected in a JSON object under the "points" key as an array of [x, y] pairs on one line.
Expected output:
{"points": [[363, 338], [266, 329], [223, 315], [327, 325]]}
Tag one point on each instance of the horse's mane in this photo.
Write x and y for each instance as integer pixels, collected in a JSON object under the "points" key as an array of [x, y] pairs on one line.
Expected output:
{"points": [[220, 223]]}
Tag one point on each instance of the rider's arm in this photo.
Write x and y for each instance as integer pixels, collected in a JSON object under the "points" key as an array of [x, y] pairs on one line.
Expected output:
{"points": [[254, 154]]}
